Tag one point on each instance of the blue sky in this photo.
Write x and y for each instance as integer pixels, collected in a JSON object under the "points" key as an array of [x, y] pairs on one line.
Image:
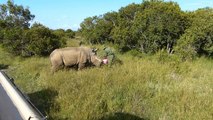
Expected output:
{"points": [[68, 14]]}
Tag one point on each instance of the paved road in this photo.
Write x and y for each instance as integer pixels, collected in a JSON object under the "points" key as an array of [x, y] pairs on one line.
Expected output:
{"points": [[7, 109]]}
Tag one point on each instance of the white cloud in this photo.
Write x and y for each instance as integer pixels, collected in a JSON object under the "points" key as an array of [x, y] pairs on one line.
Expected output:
{"points": [[75, 27]]}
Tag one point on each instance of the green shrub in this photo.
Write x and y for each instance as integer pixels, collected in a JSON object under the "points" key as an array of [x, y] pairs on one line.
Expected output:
{"points": [[135, 53], [186, 52], [38, 40], [42, 40], [164, 57], [69, 33], [14, 41], [198, 38], [1, 36]]}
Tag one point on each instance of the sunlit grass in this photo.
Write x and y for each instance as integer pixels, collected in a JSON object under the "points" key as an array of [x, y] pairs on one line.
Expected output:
{"points": [[141, 88]]}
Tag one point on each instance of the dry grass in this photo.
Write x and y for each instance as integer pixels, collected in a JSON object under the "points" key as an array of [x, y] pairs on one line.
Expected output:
{"points": [[140, 89]]}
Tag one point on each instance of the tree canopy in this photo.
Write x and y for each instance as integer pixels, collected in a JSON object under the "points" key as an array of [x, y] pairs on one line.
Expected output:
{"points": [[148, 27], [12, 15], [198, 38], [151, 26], [19, 38]]}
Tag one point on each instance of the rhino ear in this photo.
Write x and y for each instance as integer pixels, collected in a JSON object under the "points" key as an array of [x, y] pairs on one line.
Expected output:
{"points": [[94, 50]]}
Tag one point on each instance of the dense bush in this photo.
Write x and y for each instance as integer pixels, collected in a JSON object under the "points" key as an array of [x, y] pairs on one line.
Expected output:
{"points": [[148, 27], [14, 41], [1, 36], [65, 34], [198, 38], [17, 38], [14, 21], [38, 40], [154, 26], [41, 40], [12, 15], [69, 33]]}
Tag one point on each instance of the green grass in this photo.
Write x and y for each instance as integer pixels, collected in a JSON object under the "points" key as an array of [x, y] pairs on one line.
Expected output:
{"points": [[140, 89]]}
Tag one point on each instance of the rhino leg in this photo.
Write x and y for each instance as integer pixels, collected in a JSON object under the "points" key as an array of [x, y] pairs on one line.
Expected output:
{"points": [[81, 65], [55, 68], [56, 65]]}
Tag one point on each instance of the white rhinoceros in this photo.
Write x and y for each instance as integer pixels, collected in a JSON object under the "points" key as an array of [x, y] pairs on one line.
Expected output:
{"points": [[74, 56]]}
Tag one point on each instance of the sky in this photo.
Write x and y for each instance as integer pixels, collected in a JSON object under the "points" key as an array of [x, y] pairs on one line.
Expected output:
{"points": [[68, 14]]}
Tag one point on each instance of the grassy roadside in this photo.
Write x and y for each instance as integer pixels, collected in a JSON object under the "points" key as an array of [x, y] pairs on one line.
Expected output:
{"points": [[140, 89]]}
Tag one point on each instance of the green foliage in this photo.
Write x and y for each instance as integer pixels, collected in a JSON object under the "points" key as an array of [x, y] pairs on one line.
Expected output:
{"points": [[148, 27], [12, 15], [19, 39], [64, 34], [14, 41], [42, 41], [5, 58], [135, 53], [154, 26], [159, 26], [96, 29], [38, 40], [1, 35], [198, 38], [69, 33], [161, 86], [14, 21], [123, 32], [59, 32]]}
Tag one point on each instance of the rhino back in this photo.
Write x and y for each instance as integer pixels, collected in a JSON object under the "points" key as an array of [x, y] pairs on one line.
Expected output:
{"points": [[75, 55]]}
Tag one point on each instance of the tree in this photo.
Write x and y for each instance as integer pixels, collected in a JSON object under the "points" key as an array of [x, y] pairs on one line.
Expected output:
{"points": [[98, 29], [14, 20], [41, 40], [69, 33], [158, 26], [38, 40], [87, 27], [198, 38], [148, 27], [122, 32], [12, 15], [14, 41]]}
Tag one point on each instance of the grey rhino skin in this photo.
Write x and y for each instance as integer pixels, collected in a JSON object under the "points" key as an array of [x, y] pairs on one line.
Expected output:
{"points": [[71, 56]]}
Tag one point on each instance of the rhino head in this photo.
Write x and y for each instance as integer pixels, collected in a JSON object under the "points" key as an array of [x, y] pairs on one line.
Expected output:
{"points": [[94, 58], [96, 61]]}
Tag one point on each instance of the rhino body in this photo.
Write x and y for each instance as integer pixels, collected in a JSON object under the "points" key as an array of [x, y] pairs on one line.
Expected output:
{"points": [[73, 56]]}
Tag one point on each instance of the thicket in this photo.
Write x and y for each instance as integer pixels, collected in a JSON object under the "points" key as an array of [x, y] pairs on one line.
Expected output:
{"points": [[19, 38], [153, 26], [198, 38], [147, 28]]}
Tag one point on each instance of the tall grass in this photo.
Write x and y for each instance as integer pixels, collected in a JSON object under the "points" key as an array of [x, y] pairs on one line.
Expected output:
{"points": [[139, 89]]}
